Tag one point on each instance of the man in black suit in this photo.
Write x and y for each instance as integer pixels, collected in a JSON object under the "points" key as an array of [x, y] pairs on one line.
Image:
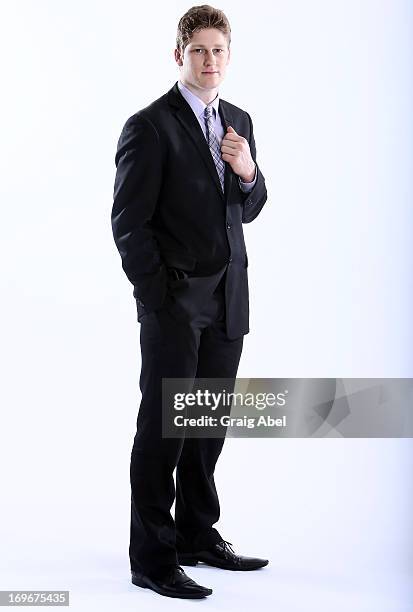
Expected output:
{"points": [[186, 181]]}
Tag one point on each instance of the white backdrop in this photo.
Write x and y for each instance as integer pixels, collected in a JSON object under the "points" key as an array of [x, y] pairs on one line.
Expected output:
{"points": [[328, 84]]}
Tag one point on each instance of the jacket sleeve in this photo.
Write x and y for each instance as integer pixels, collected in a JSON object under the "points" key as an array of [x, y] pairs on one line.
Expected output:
{"points": [[137, 185], [256, 198]]}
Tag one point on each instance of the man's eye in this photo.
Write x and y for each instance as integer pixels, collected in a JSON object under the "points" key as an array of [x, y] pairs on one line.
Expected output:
{"points": [[196, 50], [219, 50]]}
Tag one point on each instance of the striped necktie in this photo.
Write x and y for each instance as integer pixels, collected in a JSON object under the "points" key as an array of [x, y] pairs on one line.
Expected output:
{"points": [[214, 145]]}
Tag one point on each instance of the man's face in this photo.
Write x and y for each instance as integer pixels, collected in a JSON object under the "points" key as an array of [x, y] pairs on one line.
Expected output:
{"points": [[204, 61]]}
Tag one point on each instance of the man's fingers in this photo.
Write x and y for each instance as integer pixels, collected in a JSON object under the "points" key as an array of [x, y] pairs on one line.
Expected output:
{"points": [[229, 150], [229, 144], [229, 158], [233, 136]]}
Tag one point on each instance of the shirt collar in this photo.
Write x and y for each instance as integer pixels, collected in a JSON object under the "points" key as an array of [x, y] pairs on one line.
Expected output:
{"points": [[197, 105]]}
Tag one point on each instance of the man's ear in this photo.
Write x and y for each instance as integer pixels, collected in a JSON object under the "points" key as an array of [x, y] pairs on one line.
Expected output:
{"points": [[229, 55], [178, 57]]}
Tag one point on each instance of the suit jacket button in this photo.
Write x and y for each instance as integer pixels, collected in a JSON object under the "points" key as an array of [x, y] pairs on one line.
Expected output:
{"points": [[229, 225], [229, 260]]}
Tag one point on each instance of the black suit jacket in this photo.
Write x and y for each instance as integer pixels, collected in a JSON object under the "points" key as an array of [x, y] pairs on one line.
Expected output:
{"points": [[169, 211]]}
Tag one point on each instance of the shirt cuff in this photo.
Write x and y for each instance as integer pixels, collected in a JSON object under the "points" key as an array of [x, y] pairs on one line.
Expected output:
{"points": [[247, 187]]}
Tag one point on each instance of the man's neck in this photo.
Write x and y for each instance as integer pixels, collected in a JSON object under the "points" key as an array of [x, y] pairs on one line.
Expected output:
{"points": [[206, 95]]}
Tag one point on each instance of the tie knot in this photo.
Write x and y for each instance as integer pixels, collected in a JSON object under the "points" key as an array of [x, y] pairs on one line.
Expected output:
{"points": [[208, 112]]}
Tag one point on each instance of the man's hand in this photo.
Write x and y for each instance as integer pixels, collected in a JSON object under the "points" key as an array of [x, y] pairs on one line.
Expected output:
{"points": [[236, 151]]}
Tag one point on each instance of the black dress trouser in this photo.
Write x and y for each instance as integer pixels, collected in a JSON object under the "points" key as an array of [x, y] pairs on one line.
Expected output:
{"points": [[176, 349]]}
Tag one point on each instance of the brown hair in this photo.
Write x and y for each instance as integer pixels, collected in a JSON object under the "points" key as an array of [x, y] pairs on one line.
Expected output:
{"points": [[199, 18]]}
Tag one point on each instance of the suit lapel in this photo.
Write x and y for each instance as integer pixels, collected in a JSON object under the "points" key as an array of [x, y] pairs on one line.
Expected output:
{"points": [[186, 117]]}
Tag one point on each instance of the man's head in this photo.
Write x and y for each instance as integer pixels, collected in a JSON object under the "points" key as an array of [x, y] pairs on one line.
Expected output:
{"points": [[203, 48]]}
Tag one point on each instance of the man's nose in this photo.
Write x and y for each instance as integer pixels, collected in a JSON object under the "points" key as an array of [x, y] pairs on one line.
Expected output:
{"points": [[209, 57]]}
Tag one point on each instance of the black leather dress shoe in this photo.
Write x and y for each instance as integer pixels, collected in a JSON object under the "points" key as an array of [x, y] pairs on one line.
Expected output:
{"points": [[175, 583], [222, 555]]}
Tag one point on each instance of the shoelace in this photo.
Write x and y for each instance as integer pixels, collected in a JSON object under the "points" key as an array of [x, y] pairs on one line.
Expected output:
{"points": [[227, 548], [173, 570], [230, 553]]}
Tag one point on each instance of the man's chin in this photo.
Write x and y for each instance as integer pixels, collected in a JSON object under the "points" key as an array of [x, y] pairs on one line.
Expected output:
{"points": [[209, 82], [210, 78]]}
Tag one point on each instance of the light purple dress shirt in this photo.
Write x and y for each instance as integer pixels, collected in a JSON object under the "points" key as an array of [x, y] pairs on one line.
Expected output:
{"points": [[198, 107]]}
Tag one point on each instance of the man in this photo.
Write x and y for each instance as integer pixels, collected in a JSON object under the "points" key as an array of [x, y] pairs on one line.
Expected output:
{"points": [[186, 180]]}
